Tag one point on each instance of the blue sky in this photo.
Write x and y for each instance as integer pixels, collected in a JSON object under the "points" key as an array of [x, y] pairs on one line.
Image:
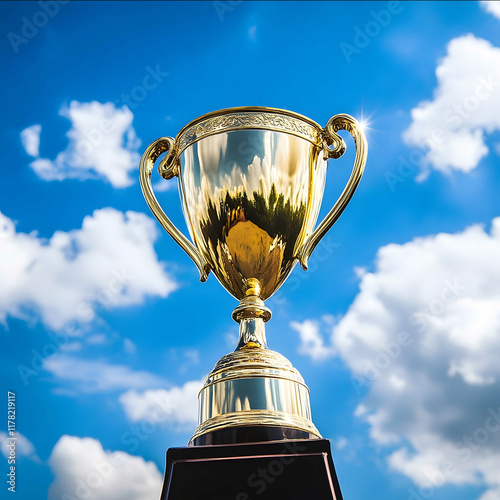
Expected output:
{"points": [[394, 327]]}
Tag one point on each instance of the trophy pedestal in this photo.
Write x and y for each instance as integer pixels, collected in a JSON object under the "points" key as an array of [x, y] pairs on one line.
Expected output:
{"points": [[291, 470]]}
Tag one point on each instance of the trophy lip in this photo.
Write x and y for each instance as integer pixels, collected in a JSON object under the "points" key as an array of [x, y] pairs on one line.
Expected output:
{"points": [[250, 109], [182, 145]]}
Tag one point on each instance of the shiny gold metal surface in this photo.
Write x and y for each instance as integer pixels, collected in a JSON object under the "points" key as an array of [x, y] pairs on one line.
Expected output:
{"points": [[251, 182], [254, 386]]}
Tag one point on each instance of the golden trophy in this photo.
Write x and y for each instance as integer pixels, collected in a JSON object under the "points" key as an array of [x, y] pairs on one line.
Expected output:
{"points": [[251, 181]]}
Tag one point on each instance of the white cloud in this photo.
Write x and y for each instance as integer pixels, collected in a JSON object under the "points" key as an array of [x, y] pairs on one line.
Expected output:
{"points": [[163, 185], [102, 144], [129, 347], [23, 446], [83, 469], [97, 375], [97, 339], [184, 358], [422, 339], [71, 346], [110, 262], [451, 128], [311, 341], [30, 137], [252, 32], [492, 7], [177, 406], [341, 443], [63, 391]]}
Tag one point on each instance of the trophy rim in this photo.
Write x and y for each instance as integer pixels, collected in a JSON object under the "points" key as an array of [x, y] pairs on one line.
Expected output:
{"points": [[196, 133]]}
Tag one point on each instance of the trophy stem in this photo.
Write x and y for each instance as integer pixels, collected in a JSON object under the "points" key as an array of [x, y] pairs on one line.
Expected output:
{"points": [[252, 315], [252, 334], [251, 305]]}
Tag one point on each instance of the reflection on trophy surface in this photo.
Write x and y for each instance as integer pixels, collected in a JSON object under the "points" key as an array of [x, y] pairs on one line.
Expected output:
{"points": [[251, 182]]}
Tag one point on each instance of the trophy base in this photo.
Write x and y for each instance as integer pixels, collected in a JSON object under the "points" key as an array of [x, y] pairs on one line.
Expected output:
{"points": [[250, 434], [293, 469], [255, 388]]}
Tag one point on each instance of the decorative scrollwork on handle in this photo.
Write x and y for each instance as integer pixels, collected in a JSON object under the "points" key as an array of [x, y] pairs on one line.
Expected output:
{"points": [[335, 148], [334, 145], [168, 168]]}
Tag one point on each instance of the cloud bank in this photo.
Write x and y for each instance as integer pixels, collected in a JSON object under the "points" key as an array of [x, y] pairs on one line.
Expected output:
{"points": [[109, 262], [422, 342]]}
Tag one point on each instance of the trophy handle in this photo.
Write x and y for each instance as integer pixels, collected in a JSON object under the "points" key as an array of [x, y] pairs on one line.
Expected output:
{"points": [[335, 148], [168, 168]]}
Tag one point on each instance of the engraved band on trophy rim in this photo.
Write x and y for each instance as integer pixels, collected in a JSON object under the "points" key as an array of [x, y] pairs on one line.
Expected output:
{"points": [[266, 120]]}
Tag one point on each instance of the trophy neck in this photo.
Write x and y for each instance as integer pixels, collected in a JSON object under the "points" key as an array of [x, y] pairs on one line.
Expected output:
{"points": [[252, 314], [252, 334]]}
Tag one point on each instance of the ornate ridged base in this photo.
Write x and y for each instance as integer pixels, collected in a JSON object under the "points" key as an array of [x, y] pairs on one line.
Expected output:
{"points": [[254, 388]]}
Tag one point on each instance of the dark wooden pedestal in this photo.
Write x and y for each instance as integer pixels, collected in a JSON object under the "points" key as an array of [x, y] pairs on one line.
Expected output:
{"points": [[277, 470]]}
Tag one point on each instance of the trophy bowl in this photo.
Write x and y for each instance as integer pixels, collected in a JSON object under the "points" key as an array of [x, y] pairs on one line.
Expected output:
{"points": [[251, 181]]}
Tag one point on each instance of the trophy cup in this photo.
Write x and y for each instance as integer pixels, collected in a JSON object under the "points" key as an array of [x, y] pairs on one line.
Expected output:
{"points": [[251, 181]]}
